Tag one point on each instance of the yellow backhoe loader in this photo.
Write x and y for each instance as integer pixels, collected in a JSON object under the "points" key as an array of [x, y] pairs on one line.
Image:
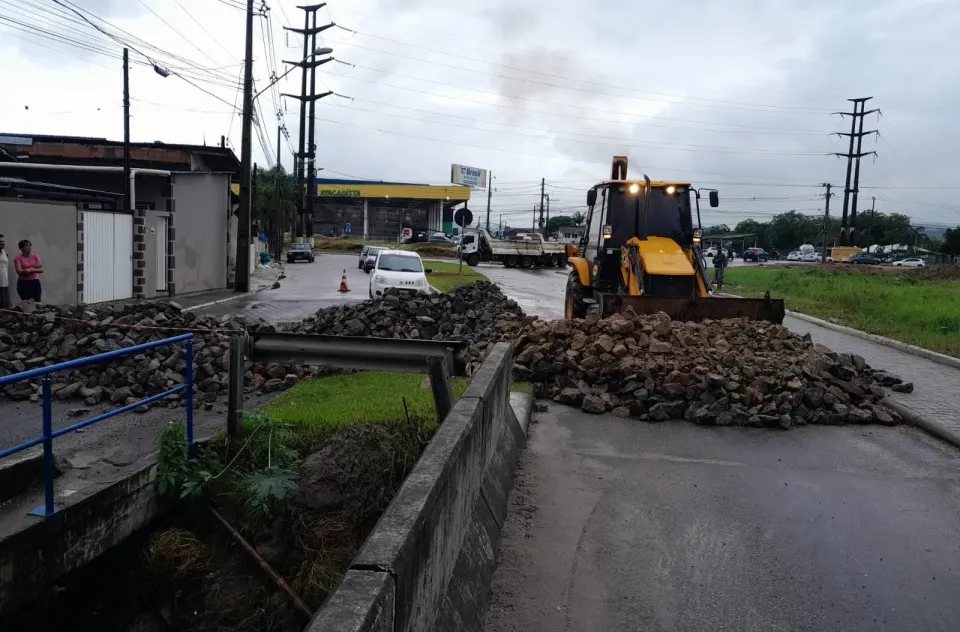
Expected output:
{"points": [[642, 250]]}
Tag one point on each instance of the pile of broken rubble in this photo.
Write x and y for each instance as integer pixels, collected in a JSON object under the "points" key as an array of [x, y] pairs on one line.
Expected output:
{"points": [[33, 336], [727, 372], [41, 335], [478, 313]]}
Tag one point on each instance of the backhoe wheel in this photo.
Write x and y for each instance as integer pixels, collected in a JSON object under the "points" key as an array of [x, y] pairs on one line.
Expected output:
{"points": [[574, 307], [510, 261], [526, 262], [472, 259]]}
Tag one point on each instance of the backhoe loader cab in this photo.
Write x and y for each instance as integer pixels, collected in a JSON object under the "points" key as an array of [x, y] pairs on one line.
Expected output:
{"points": [[641, 249]]}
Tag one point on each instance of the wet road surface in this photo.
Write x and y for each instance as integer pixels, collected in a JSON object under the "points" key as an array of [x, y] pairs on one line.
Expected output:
{"points": [[621, 525], [307, 288]]}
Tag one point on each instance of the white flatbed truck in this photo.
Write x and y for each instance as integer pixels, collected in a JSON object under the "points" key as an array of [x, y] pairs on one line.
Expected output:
{"points": [[524, 250]]}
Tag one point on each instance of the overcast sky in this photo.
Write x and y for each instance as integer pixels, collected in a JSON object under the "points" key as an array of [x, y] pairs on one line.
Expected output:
{"points": [[736, 95]]}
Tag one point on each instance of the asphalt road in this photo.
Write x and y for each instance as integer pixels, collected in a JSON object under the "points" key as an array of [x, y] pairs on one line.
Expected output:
{"points": [[620, 525], [307, 288]]}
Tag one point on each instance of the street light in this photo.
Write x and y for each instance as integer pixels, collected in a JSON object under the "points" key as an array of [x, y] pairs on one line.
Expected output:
{"points": [[323, 50]]}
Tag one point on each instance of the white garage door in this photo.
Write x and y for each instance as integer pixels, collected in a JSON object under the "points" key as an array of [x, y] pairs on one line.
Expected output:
{"points": [[107, 256]]}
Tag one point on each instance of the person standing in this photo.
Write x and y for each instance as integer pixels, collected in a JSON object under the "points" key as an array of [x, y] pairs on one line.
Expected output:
{"points": [[5, 302], [29, 268], [719, 263]]}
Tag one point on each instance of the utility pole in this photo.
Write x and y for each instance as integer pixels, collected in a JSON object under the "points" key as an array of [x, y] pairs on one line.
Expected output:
{"points": [[848, 221], [534, 224], [241, 281], [127, 192], [543, 182], [873, 219], [306, 154], [546, 226], [489, 195], [278, 230], [826, 222]]}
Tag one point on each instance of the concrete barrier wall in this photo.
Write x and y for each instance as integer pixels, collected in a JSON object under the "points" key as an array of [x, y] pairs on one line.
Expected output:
{"points": [[94, 520], [428, 563]]}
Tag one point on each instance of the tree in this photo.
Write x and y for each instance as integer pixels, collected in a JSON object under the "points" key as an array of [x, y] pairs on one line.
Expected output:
{"points": [[951, 242], [579, 218], [719, 229], [557, 222], [265, 208]]}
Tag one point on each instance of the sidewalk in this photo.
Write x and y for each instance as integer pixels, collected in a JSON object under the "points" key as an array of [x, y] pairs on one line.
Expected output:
{"points": [[936, 392]]}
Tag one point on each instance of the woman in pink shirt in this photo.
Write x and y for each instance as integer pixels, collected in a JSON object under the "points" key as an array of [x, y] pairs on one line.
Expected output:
{"points": [[29, 267]]}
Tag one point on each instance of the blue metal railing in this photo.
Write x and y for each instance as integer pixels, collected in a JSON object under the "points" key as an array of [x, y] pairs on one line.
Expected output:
{"points": [[49, 434]]}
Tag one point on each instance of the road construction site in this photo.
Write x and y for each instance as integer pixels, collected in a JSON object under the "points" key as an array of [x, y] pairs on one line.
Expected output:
{"points": [[657, 488]]}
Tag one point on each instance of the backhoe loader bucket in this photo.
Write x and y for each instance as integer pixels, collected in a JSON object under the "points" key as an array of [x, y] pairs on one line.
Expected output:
{"points": [[695, 309]]}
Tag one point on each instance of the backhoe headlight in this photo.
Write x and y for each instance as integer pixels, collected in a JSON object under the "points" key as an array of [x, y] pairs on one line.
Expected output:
{"points": [[607, 232], [697, 236], [671, 190], [634, 188]]}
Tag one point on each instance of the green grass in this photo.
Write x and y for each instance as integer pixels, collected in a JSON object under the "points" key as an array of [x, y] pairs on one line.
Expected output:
{"points": [[346, 245], [919, 312], [445, 275], [369, 397], [339, 401]]}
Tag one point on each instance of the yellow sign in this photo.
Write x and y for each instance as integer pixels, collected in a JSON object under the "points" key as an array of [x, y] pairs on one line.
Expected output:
{"points": [[453, 193]]}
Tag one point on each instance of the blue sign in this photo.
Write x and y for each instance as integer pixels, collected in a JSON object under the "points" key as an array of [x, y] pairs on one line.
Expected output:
{"points": [[346, 227]]}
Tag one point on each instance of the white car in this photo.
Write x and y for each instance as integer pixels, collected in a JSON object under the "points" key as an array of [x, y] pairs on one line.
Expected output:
{"points": [[912, 262], [401, 269], [794, 256], [810, 257]]}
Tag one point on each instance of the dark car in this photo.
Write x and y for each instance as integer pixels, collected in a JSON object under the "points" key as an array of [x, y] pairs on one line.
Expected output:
{"points": [[755, 254], [865, 259], [370, 258], [775, 254], [300, 252]]}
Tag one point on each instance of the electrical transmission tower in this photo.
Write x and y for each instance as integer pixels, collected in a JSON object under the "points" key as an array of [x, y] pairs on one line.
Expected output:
{"points": [[305, 166], [848, 220]]}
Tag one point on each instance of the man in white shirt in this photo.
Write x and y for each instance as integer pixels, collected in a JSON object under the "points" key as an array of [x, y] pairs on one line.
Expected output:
{"points": [[4, 276]]}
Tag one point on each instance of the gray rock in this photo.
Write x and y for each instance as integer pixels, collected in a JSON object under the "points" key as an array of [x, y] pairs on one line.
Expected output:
{"points": [[593, 405], [904, 387]]}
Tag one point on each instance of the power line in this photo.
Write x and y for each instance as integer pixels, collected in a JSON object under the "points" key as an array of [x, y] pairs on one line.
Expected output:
{"points": [[541, 112], [179, 34], [204, 29], [516, 151], [624, 143], [664, 97]]}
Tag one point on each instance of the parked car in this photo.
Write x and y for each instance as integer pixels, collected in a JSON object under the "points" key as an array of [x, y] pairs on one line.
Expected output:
{"points": [[810, 257], [865, 259], [369, 259], [775, 254], [439, 238], [794, 256], [300, 252], [710, 252], [755, 254], [911, 262], [400, 269]]}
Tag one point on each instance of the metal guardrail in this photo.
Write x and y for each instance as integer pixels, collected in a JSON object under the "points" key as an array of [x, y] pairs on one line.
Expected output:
{"points": [[49, 434], [439, 359]]}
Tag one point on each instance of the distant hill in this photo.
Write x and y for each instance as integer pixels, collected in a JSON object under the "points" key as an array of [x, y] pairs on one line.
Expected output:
{"points": [[934, 233]]}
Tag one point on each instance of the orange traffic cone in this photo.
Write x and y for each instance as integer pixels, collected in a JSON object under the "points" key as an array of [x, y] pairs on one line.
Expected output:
{"points": [[343, 282]]}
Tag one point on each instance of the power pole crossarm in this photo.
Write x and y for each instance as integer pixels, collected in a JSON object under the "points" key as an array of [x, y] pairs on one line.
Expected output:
{"points": [[309, 98], [309, 31]]}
